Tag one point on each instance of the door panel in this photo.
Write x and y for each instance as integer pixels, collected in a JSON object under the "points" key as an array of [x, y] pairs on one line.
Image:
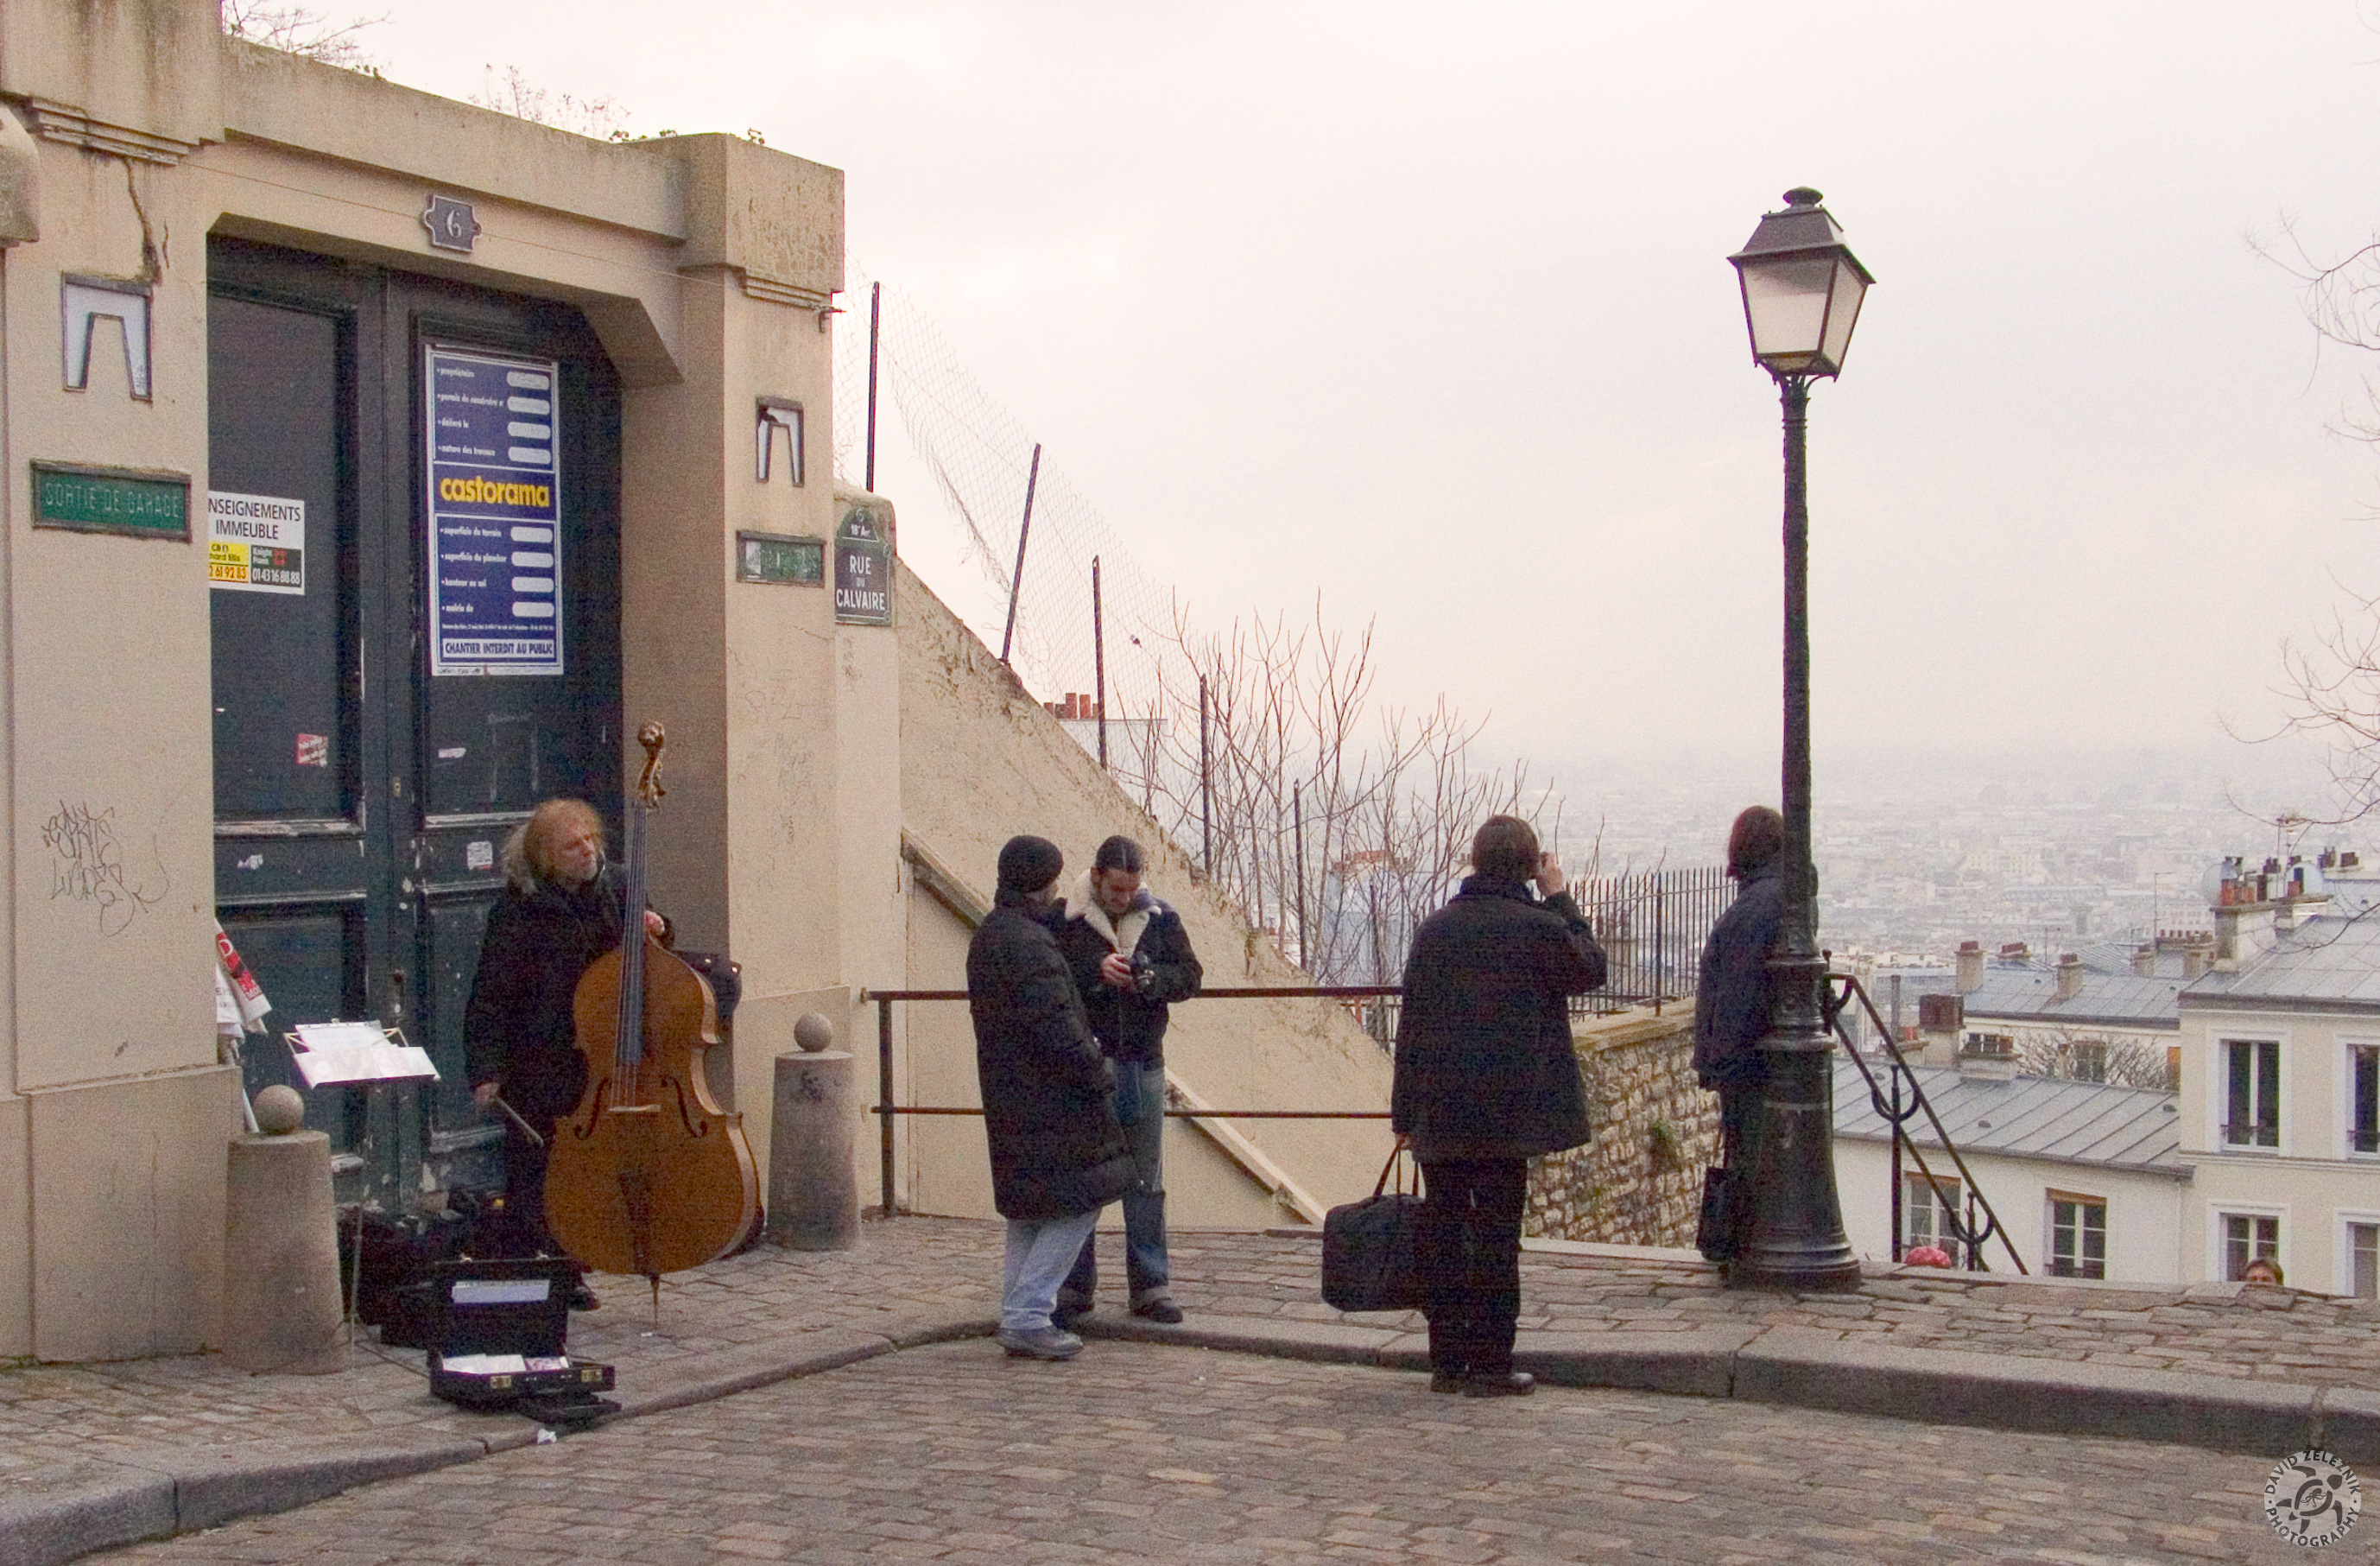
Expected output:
{"points": [[361, 858], [283, 654]]}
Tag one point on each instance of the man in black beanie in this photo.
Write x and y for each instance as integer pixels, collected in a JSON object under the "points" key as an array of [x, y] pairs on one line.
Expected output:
{"points": [[1058, 1155]]}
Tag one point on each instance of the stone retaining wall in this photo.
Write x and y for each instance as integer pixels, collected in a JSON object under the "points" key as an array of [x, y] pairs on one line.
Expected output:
{"points": [[1639, 1182]]}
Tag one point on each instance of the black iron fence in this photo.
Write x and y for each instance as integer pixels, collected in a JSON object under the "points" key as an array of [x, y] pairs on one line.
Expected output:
{"points": [[1651, 927], [1899, 1097]]}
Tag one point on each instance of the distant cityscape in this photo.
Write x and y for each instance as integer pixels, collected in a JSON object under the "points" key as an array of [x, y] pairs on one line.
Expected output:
{"points": [[1917, 853]]}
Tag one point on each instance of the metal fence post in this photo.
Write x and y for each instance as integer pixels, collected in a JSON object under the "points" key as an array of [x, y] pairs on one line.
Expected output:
{"points": [[884, 1089]]}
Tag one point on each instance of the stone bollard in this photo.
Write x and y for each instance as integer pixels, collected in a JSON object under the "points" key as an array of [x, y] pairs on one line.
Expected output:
{"points": [[813, 1195], [281, 1308]]}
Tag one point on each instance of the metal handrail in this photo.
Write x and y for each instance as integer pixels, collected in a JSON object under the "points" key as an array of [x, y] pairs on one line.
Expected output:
{"points": [[1896, 1114], [885, 1110]]}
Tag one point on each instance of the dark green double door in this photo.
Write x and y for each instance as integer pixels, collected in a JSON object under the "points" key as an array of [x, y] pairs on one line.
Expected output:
{"points": [[413, 576]]}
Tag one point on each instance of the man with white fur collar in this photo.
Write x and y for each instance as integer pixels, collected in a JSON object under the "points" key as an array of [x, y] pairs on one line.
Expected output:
{"points": [[1131, 958]]}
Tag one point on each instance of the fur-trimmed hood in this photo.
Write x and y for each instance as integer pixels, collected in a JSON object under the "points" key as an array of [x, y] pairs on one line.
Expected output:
{"points": [[1124, 933]]}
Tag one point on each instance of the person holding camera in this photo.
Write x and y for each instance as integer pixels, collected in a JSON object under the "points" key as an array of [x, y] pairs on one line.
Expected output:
{"points": [[1130, 959], [1485, 1079]]}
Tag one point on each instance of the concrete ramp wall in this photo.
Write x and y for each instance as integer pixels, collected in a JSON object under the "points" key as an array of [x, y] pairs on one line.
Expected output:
{"points": [[980, 761]]}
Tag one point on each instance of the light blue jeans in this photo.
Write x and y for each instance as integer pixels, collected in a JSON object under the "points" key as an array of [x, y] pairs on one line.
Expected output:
{"points": [[1140, 1110], [1039, 1252]]}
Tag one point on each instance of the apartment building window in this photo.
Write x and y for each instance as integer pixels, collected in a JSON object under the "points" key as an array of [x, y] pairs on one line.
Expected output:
{"points": [[2363, 1260], [2252, 1110], [2364, 1084], [1924, 1217], [2247, 1236], [2078, 1235], [2089, 1059]]}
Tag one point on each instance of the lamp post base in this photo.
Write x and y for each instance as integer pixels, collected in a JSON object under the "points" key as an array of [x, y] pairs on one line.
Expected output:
{"points": [[1797, 1240]]}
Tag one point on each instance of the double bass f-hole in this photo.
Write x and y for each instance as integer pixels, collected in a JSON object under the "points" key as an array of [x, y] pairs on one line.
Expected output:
{"points": [[655, 1177]]}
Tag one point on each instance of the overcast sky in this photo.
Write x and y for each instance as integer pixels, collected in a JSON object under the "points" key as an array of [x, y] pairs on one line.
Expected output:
{"points": [[1428, 307]]}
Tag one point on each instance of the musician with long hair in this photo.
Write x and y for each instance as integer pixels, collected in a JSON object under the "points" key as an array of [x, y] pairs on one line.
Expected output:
{"points": [[560, 910]]}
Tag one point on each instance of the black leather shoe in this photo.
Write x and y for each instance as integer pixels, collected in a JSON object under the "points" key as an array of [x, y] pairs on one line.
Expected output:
{"points": [[583, 1298], [1165, 1312], [1509, 1384], [1446, 1380]]}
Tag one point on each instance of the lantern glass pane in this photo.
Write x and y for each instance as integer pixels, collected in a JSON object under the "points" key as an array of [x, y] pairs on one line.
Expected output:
{"points": [[1786, 303], [1842, 314]]}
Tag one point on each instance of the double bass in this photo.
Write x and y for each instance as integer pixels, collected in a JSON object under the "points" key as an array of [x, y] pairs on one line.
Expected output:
{"points": [[647, 1175]]}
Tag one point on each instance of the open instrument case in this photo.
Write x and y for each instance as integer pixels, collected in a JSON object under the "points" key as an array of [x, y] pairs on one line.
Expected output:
{"points": [[498, 1330]]}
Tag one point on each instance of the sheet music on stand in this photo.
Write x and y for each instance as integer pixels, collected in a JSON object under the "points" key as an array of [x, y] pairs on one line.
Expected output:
{"points": [[364, 1054], [334, 1052]]}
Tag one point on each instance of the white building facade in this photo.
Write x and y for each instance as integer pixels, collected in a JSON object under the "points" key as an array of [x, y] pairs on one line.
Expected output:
{"points": [[2086, 1178]]}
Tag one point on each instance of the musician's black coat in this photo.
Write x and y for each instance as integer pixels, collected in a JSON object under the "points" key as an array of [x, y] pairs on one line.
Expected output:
{"points": [[1056, 1148], [517, 1029]]}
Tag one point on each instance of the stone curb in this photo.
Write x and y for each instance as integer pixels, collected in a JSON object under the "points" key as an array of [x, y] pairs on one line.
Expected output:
{"points": [[56, 1514], [1809, 1367]]}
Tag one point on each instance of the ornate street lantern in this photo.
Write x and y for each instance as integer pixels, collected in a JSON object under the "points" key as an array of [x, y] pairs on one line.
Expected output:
{"points": [[1802, 289]]}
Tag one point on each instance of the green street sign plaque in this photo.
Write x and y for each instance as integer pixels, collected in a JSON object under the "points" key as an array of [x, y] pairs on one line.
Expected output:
{"points": [[111, 500], [781, 558]]}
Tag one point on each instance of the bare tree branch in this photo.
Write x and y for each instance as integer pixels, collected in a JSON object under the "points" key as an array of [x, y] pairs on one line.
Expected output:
{"points": [[295, 30]]}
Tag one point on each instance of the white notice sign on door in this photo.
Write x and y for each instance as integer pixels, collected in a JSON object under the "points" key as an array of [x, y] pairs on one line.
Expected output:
{"points": [[256, 544]]}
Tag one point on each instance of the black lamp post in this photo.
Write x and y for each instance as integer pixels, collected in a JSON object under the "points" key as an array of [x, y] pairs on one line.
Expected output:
{"points": [[1802, 291]]}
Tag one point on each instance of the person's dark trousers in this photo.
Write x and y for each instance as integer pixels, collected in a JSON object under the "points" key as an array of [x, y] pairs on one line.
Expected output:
{"points": [[1471, 1261], [1140, 1110], [525, 1234]]}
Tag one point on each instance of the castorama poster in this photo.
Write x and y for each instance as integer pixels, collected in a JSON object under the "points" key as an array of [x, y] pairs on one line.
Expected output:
{"points": [[495, 513]]}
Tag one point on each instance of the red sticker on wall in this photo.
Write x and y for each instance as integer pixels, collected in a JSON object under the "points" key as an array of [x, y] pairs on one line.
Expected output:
{"points": [[313, 751]]}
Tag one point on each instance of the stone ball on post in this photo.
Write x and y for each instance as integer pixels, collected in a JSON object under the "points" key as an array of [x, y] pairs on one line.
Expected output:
{"points": [[813, 1032], [280, 1109]]}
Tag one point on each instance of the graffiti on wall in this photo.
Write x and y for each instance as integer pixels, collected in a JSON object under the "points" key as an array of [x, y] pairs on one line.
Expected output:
{"points": [[88, 865]]}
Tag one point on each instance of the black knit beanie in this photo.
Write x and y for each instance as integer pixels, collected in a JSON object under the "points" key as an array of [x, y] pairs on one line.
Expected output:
{"points": [[1028, 864]]}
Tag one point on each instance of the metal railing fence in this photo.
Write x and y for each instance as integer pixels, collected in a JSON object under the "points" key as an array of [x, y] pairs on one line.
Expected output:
{"points": [[1896, 1103], [886, 1109]]}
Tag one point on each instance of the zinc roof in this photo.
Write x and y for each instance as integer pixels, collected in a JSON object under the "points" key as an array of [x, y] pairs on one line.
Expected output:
{"points": [[2031, 1117], [2031, 995], [2326, 960]]}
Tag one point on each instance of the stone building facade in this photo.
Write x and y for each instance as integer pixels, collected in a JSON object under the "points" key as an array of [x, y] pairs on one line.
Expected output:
{"points": [[304, 376], [1639, 1182]]}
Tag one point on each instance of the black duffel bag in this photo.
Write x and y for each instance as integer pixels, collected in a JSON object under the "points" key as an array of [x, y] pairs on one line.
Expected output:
{"points": [[1371, 1249]]}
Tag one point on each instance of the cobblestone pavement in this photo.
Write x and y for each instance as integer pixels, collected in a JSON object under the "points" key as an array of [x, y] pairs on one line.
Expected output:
{"points": [[924, 1267], [1142, 1452]]}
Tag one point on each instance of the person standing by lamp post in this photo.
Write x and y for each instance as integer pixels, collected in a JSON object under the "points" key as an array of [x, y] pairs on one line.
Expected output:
{"points": [[1735, 998]]}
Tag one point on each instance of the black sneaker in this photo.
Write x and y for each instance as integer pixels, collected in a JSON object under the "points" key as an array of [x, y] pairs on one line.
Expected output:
{"points": [[583, 1298], [1165, 1312], [1494, 1384]]}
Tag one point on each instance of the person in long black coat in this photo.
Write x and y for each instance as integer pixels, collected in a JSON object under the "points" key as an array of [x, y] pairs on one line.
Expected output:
{"points": [[1487, 1078], [1058, 1155], [1735, 998], [560, 910]]}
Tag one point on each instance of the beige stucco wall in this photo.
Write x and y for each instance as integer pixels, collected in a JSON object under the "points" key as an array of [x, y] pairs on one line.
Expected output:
{"points": [[701, 263], [982, 760]]}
